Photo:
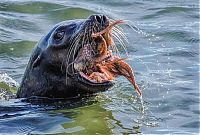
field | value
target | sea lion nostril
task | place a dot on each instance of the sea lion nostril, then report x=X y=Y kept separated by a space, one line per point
x=98 y=19
x=104 y=19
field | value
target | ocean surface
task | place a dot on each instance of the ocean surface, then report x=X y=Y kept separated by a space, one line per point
x=163 y=50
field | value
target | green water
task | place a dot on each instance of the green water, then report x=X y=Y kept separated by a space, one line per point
x=163 y=51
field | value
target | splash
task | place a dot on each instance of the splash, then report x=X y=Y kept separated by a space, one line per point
x=5 y=78
x=8 y=87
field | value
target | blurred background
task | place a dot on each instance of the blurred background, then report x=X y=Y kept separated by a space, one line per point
x=163 y=51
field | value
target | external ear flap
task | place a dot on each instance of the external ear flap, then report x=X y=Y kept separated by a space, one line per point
x=37 y=61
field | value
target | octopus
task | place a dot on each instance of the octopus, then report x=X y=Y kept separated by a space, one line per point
x=105 y=66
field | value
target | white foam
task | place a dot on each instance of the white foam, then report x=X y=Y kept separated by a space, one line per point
x=5 y=78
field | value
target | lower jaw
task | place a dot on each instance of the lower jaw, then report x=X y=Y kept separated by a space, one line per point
x=93 y=73
x=92 y=87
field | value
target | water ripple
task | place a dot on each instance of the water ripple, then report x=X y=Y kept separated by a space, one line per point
x=163 y=53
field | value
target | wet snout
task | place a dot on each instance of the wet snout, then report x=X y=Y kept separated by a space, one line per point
x=102 y=20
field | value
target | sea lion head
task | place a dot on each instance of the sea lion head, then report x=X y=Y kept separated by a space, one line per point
x=64 y=44
x=51 y=70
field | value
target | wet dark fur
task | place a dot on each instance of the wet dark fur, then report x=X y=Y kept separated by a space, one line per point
x=50 y=72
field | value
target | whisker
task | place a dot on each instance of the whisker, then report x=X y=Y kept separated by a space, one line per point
x=119 y=27
x=115 y=49
x=74 y=50
x=132 y=25
x=121 y=42
x=72 y=47
x=121 y=33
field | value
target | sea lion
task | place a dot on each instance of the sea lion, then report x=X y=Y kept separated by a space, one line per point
x=68 y=61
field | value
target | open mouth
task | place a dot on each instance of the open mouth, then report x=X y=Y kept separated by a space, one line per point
x=97 y=66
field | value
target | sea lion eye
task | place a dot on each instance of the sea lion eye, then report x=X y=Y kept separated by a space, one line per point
x=59 y=35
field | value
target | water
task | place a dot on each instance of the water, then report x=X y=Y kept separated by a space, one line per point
x=163 y=50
